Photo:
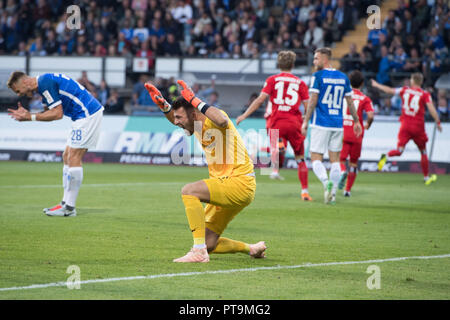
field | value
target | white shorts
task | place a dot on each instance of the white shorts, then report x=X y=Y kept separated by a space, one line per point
x=326 y=139
x=85 y=132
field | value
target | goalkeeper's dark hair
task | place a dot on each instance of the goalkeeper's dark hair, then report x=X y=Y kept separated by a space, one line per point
x=180 y=102
x=356 y=78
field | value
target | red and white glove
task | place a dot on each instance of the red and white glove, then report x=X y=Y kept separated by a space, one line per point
x=157 y=98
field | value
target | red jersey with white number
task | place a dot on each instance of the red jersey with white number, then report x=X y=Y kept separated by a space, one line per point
x=286 y=92
x=414 y=101
x=361 y=103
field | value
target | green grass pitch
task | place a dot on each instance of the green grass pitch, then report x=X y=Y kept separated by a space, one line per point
x=131 y=223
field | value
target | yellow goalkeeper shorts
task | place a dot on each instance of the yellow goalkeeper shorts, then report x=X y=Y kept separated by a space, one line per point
x=228 y=196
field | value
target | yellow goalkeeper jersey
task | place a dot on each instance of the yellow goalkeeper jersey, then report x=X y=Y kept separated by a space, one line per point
x=224 y=149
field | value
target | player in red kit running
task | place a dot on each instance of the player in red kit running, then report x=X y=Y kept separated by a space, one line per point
x=286 y=92
x=412 y=120
x=352 y=145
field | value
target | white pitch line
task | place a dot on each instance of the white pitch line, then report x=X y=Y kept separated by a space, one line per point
x=184 y=274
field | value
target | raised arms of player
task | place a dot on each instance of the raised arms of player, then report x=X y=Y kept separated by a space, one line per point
x=22 y=114
x=157 y=98
x=252 y=107
x=382 y=87
x=214 y=114
x=434 y=114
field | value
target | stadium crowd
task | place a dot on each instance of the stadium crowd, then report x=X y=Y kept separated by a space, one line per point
x=145 y=28
x=414 y=37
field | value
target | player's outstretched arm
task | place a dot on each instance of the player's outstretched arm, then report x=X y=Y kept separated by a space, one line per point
x=312 y=103
x=162 y=103
x=370 y=117
x=22 y=114
x=434 y=114
x=351 y=107
x=214 y=114
x=382 y=87
x=252 y=107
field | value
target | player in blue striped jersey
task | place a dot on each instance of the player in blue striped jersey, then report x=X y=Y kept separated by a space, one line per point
x=62 y=96
x=328 y=89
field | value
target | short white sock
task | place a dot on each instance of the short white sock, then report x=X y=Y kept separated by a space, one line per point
x=65 y=181
x=320 y=171
x=305 y=191
x=75 y=177
x=200 y=246
x=335 y=175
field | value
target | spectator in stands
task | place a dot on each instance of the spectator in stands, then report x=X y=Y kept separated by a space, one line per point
x=114 y=104
x=22 y=51
x=323 y=8
x=389 y=22
x=411 y=27
x=384 y=67
x=343 y=16
x=103 y=92
x=314 y=36
x=269 y=52
x=84 y=81
x=351 y=60
x=443 y=105
x=422 y=13
x=262 y=12
x=182 y=12
x=51 y=44
x=303 y=14
x=141 y=31
x=140 y=94
x=411 y=44
x=171 y=47
x=435 y=39
x=146 y=52
x=80 y=51
x=374 y=35
x=331 y=29
x=157 y=29
x=413 y=63
x=399 y=60
x=259 y=113
x=36 y=48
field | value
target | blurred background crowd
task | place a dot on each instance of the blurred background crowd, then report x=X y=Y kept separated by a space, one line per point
x=414 y=37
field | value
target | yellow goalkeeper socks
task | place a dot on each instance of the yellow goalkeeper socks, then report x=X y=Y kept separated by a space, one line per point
x=196 y=218
x=225 y=245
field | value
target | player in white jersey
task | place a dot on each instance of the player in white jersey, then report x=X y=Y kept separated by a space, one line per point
x=328 y=89
x=62 y=96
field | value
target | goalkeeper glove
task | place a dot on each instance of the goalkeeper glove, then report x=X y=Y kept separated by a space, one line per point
x=190 y=97
x=158 y=98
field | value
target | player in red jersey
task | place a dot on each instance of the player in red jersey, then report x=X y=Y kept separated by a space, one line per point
x=352 y=145
x=285 y=92
x=412 y=121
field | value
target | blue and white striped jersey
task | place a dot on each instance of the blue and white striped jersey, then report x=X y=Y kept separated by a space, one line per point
x=331 y=85
x=76 y=101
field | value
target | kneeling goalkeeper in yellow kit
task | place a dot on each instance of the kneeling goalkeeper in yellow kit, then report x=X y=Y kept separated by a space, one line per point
x=231 y=185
